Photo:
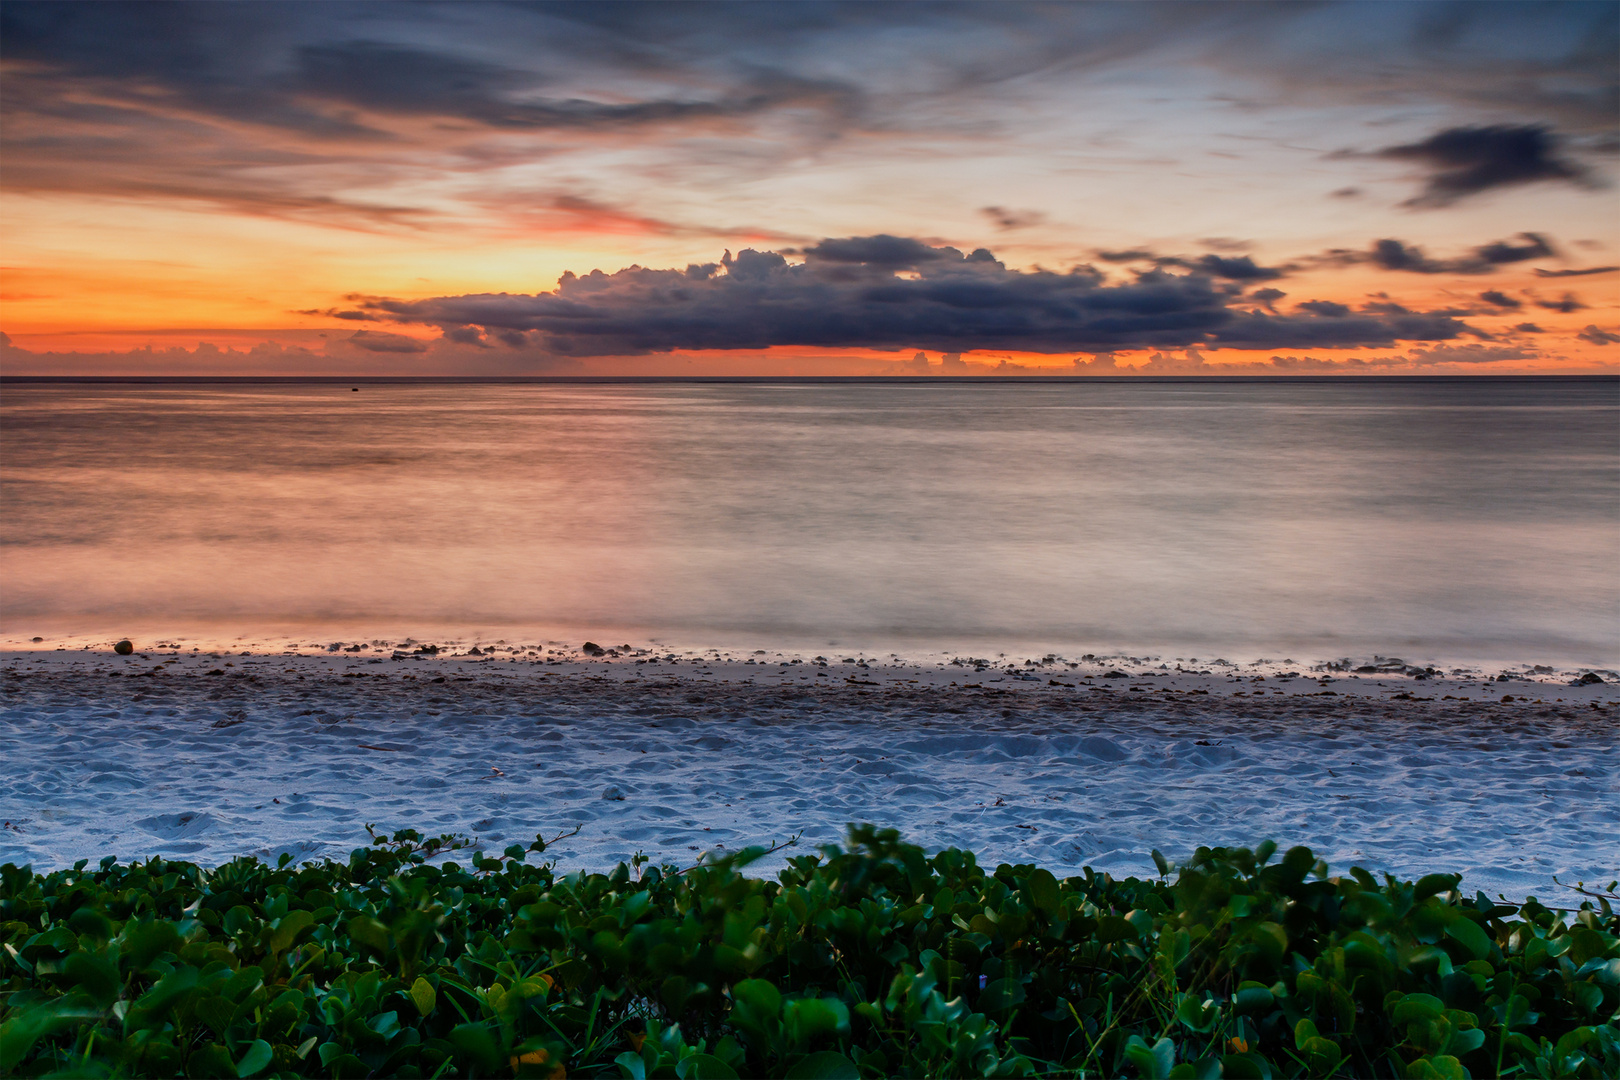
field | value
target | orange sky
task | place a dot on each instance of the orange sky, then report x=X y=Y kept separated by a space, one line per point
x=243 y=175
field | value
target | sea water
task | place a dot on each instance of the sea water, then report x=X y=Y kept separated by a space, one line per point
x=1462 y=519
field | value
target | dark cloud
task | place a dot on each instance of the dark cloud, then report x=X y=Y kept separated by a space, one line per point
x=1500 y=299
x=1567 y=303
x=1470 y=354
x=1391 y=254
x=892 y=292
x=1532 y=246
x=1004 y=218
x=1267 y=298
x=1241 y=268
x=1529 y=328
x=1233 y=268
x=1465 y=161
x=335 y=313
x=194 y=53
x=1325 y=307
x=1598 y=337
x=881 y=252
x=1576 y=273
x=381 y=341
x=1132 y=255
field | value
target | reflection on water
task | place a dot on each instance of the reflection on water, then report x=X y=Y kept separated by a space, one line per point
x=1460 y=517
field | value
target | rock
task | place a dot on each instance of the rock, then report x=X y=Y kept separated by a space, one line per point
x=124 y=648
x=1589 y=679
x=591 y=648
x=613 y=794
x=475 y=651
x=1115 y=675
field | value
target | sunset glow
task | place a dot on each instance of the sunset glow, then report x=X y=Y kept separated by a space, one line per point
x=265 y=181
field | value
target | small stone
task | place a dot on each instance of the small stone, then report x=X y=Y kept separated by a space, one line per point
x=124 y=648
x=1115 y=675
x=1589 y=679
x=613 y=794
x=591 y=648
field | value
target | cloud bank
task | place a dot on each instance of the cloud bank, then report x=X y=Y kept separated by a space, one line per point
x=891 y=292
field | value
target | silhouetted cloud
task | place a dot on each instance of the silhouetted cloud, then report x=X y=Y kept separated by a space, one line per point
x=1325 y=307
x=1598 y=337
x=1267 y=298
x=1233 y=268
x=1500 y=299
x=380 y=341
x=1569 y=302
x=1005 y=218
x=1470 y=354
x=897 y=292
x=1465 y=161
x=1392 y=254
x=1130 y=255
x=1575 y=273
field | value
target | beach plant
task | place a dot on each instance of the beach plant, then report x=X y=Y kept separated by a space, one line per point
x=866 y=959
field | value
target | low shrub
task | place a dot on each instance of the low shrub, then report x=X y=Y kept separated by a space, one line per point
x=869 y=960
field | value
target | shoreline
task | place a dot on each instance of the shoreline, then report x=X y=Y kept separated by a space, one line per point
x=206 y=757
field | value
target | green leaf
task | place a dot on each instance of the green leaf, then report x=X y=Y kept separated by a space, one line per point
x=95 y=975
x=212 y=1060
x=1198 y=1015
x=826 y=1065
x=476 y=1043
x=1000 y=995
x=808 y=1017
x=1154 y=1062
x=163 y=996
x=286 y=932
x=1252 y=997
x=145 y=942
x=1160 y=862
x=257 y=1057
x=1467 y=933
x=1042 y=889
x=369 y=932
x=759 y=995
x=1111 y=928
x=217 y=1012
x=631 y=1067
x=1418 y=1007
x=18 y=1035
x=704 y=1067
x=423 y=996
x=1431 y=884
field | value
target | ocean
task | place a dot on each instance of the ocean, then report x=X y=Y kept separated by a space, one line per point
x=1461 y=520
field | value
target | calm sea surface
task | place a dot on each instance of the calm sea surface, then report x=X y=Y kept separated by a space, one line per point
x=1458 y=519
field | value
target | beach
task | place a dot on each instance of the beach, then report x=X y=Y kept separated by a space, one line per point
x=1510 y=777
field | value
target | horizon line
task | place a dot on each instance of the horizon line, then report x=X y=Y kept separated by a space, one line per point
x=812 y=379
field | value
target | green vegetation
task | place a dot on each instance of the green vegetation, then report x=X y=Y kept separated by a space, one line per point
x=871 y=960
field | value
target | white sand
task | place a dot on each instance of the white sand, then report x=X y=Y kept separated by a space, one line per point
x=184 y=756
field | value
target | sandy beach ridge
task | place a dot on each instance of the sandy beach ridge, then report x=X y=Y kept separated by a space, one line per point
x=1509 y=776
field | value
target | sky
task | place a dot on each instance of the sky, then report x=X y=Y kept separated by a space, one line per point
x=809 y=189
